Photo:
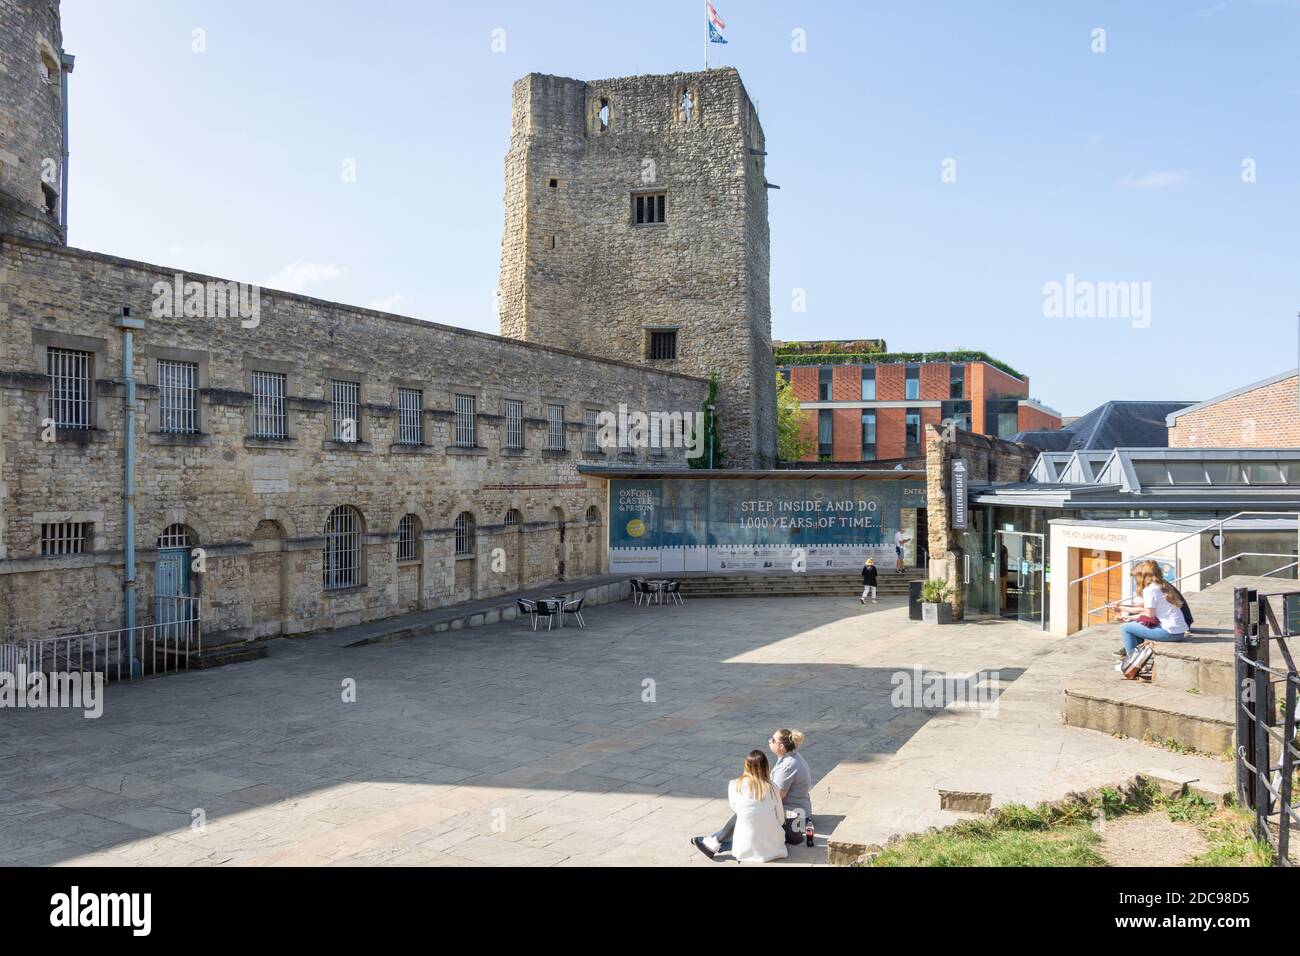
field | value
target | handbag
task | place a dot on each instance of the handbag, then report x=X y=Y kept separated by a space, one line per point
x=793 y=827
x=1147 y=621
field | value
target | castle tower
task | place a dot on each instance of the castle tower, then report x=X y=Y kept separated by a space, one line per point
x=33 y=93
x=636 y=229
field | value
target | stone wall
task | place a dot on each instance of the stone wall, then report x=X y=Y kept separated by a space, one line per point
x=259 y=506
x=577 y=270
x=988 y=460
x=31 y=116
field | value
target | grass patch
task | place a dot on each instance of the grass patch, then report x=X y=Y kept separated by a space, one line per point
x=1064 y=834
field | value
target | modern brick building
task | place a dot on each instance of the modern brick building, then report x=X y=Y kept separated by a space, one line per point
x=868 y=404
x=1265 y=414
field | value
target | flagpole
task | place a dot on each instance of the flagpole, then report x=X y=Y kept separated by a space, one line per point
x=706 y=35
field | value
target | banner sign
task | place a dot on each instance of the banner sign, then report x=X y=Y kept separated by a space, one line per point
x=957 y=502
x=744 y=525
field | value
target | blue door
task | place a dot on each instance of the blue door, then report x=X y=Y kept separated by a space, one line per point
x=172 y=581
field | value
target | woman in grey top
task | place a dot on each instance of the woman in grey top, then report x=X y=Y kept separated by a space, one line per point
x=791 y=774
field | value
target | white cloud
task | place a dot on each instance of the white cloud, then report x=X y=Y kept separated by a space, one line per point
x=390 y=303
x=1156 y=180
x=300 y=276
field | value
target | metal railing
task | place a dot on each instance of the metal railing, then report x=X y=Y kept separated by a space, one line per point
x=161 y=647
x=1109 y=605
x=1265 y=754
x=1218 y=523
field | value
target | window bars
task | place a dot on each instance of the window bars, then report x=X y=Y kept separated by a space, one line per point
x=466 y=424
x=590 y=429
x=514 y=410
x=464 y=534
x=65 y=537
x=178 y=403
x=345 y=399
x=410 y=407
x=174 y=536
x=513 y=519
x=555 y=427
x=648 y=209
x=269 y=420
x=70 y=387
x=342 y=566
x=408 y=531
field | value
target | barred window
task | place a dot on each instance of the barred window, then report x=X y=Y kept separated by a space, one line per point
x=663 y=344
x=268 y=405
x=590 y=429
x=345 y=398
x=342 y=548
x=174 y=536
x=466 y=423
x=408 y=538
x=555 y=427
x=65 y=537
x=514 y=410
x=513 y=518
x=410 y=406
x=464 y=534
x=178 y=403
x=70 y=373
x=648 y=208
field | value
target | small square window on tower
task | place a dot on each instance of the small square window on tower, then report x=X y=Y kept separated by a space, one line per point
x=553 y=183
x=550 y=242
x=663 y=344
x=649 y=209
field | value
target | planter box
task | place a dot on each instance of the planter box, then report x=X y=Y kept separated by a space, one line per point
x=936 y=613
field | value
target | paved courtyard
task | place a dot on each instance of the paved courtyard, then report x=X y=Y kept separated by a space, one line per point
x=496 y=745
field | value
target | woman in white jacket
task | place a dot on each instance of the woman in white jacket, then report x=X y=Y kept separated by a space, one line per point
x=759 y=836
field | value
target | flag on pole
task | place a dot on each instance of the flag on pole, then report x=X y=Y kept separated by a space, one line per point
x=716 y=26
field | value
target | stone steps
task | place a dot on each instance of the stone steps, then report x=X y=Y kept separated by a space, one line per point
x=820 y=584
x=227 y=654
x=1113 y=705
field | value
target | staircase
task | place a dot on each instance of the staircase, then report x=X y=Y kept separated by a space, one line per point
x=812 y=584
x=1190 y=699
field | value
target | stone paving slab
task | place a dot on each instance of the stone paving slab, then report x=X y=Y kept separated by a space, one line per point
x=497 y=745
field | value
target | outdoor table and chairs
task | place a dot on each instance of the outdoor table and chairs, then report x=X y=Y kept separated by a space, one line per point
x=655 y=589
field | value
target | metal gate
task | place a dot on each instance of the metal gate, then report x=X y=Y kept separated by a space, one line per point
x=1266 y=726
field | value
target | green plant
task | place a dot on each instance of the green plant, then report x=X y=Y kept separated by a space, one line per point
x=791 y=443
x=935 y=591
x=885 y=358
x=711 y=443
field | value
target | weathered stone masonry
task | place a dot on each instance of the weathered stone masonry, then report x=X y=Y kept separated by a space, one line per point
x=258 y=507
x=578 y=270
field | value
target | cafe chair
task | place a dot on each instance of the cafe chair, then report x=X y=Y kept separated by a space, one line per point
x=574 y=607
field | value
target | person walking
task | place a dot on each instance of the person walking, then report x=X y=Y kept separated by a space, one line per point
x=869 y=576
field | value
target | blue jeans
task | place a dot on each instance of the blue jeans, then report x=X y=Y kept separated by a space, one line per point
x=1135 y=633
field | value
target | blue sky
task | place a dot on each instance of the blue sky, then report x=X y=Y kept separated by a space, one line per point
x=1115 y=166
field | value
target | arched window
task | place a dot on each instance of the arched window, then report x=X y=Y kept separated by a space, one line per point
x=513 y=518
x=464 y=534
x=593 y=515
x=408 y=538
x=343 y=548
x=175 y=536
x=557 y=515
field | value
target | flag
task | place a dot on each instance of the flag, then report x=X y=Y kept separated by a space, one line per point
x=716 y=26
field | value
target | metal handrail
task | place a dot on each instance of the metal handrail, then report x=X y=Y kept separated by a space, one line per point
x=1199 y=531
x=1180 y=578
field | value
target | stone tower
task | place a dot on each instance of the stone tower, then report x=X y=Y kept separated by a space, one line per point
x=33 y=89
x=636 y=229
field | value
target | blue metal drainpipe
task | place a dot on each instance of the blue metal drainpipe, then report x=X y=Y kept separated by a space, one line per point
x=127 y=324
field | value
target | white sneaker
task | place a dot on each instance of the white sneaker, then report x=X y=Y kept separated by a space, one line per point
x=713 y=844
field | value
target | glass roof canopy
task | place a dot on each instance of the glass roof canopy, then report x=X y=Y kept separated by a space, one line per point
x=1139 y=470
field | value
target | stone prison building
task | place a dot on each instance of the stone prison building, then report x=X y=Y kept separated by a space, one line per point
x=335 y=464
